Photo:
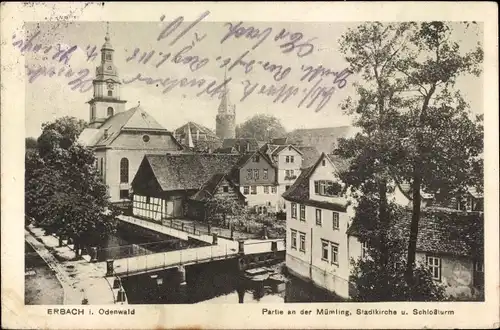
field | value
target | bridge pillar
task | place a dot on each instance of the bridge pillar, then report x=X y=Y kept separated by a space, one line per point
x=214 y=239
x=181 y=272
x=109 y=267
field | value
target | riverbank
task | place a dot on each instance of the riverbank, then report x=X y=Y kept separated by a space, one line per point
x=80 y=279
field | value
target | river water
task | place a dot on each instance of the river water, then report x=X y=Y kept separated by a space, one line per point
x=217 y=282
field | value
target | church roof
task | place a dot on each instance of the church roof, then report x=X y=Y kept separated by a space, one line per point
x=135 y=119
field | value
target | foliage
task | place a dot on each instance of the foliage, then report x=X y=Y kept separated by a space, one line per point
x=218 y=207
x=63 y=192
x=377 y=279
x=31 y=143
x=61 y=133
x=415 y=127
x=261 y=127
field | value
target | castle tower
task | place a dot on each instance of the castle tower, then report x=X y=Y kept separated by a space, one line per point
x=106 y=100
x=225 y=121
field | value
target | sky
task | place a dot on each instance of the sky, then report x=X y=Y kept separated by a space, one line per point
x=48 y=98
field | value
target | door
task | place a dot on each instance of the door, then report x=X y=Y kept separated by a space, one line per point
x=177 y=211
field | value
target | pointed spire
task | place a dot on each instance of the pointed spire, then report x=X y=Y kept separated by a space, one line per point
x=225 y=106
x=107 y=38
x=190 y=138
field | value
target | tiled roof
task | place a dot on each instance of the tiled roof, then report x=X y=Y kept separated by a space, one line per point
x=324 y=139
x=208 y=190
x=132 y=119
x=242 y=143
x=280 y=141
x=189 y=171
x=299 y=191
x=441 y=231
x=229 y=150
x=309 y=155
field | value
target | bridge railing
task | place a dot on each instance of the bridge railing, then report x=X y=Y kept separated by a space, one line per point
x=157 y=261
x=131 y=250
x=264 y=246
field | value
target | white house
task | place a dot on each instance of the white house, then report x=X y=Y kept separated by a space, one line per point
x=317 y=216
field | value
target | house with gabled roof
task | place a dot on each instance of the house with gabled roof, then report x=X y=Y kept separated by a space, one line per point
x=318 y=213
x=218 y=186
x=450 y=243
x=164 y=183
x=197 y=137
x=256 y=176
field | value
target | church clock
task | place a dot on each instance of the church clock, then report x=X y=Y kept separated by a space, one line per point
x=110 y=86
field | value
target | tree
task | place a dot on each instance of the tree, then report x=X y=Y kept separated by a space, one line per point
x=62 y=132
x=31 y=143
x=415 y=129
x=381 y=278
x=261 y=127
x=64 y=194
x=223 y=207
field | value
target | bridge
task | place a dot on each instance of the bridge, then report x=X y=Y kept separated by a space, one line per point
x=249 y=251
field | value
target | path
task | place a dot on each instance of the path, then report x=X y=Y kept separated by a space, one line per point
x=79 y=278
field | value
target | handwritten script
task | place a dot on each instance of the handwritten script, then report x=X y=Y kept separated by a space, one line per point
x=182 y=43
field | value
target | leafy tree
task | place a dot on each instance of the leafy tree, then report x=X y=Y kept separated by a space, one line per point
x=415 y=128
x=218 y=207
x=31 y=143
x=64 y=194
x=62 y=132
x=261 y=127
x=381 y=278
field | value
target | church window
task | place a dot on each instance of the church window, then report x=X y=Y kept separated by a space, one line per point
x=145 y=138
x=124 y=170
x=110 y=111
x=110 y=93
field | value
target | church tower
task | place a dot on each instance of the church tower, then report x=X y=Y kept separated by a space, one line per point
x=106 y=100
x=225 y=121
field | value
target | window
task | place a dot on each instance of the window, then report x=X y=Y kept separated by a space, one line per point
x=287 y=159
x=302 y=246
x=254 y=190
x=124 y=170
x=293 y=243
x=256 y=174
x=273 y=190
x=145 y=138
x=246 y=190
x=148 y=199
x=327 y=188
x=102 y=168
x=92 y=114
x=110 y=112
x=266 y=189
x=225 y=189
x=434 y=265
x=110 y=93
x=302 y=212
x=318 y=217
x=364 y=249
x=124 y=194
x=335 y=220
x=287 y=187
x=323 y=162
x=294 y=211
x=108 y=57
x=256 y=158
x=335 y=253
x=324 y=250
x=249 y=174
x=479 y=267
x=291 y=159
x=264 y=174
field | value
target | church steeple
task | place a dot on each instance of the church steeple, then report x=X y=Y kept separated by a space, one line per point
x=106 y=100
x=225 y=121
